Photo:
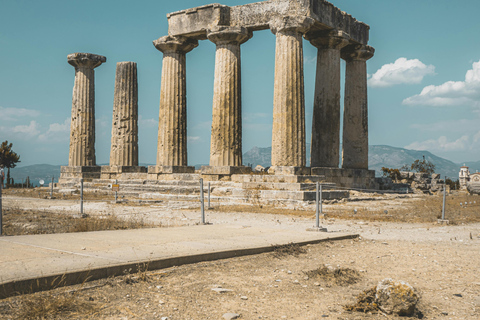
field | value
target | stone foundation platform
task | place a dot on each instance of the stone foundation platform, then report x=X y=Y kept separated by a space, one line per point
x=292 y=189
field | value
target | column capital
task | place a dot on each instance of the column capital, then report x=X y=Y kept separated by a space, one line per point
x=331 y=39
x=229 y=35
x=86 y=60
x=357 y=52
x=300 y=24
x=169 y=44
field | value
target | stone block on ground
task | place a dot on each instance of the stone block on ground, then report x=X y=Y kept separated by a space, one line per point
x=396 y=297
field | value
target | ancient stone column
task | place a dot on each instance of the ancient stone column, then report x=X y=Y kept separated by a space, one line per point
x=124 y=150
x=325 y=146
x=355 y=116
x=288 y=133
x=226 y=135
x=82 y=128
x=172 y=126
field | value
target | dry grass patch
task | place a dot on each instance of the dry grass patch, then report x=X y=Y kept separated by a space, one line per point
x=23 y=222
x=335 y=276
x=291 y=249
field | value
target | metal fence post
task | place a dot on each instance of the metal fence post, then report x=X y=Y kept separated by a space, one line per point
x=116 y=193
x=317 y=209
x=208 y=195
x=444 y=197
x=202 y=202
x=81 y=197
x=1 y=215
x=321 y=200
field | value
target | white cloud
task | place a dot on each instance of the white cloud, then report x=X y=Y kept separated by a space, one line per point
x=14 y=114
x=451 y=93
x=443 y=144
x=402 y=71
x=150 y=123
x=56 y=132
x=23 y=132
x=193 y=139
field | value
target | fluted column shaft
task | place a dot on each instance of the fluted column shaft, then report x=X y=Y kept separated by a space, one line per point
x=355 y=116
x=82 y=127
x=124 y=149
x=288 y=132
x=325 y=146
x=172 y=126
x=226 y=135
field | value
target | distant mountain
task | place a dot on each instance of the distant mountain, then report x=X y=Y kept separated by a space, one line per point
x=378 y=157
x=392 y=157
x=35 y=173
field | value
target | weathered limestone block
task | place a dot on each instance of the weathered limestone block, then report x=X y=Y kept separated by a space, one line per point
x=355 y=116
x=172 y=126
x=124 y=149
x=82 y=128
x=396 y=297
x=257 y=16
x=325 y=146
x=226 y=135
x=288 y=133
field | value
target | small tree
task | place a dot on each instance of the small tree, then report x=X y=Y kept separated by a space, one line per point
x=424 y=166
x=8 y=158
x=393 y=174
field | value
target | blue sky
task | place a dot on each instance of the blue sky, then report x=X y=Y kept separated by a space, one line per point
x=424 y=86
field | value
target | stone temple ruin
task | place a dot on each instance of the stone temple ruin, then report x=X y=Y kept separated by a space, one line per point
x=335 y=34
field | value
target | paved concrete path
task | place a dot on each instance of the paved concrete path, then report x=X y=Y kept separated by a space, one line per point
x=38 y=262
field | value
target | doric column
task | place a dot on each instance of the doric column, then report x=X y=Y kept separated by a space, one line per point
x=355 y=116
x=172 y=126
x=325 y=146
x=82 y=128
x=124 y=150
x=226 y=138
x=288 y=133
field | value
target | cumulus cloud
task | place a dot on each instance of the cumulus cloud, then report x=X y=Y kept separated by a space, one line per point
x=402 y=71
x=451 y=93
x=443 y=144
x=23 y=132
x=56 y=132
x=15 y=114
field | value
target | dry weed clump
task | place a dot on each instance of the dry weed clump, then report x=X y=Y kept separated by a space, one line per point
x=291 y=249
x=366 y=302
x=25 y=222
x=50 y=306
x=335 y=276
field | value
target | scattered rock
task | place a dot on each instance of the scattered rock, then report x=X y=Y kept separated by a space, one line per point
x=221 y=290
x=396 y=297
x=231 y=316
x=244 y=297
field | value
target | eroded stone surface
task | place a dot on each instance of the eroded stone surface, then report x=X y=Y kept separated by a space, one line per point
x=82 y=127
x=396 y=297
x=226 y=135
x=124 y=149
x=172 y=125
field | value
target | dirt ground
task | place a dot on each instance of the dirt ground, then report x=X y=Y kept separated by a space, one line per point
x=440 y=261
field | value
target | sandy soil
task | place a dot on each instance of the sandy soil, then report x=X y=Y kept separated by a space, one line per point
x=441 y=262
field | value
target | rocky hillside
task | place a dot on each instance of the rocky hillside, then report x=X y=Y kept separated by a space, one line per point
x=379 y=156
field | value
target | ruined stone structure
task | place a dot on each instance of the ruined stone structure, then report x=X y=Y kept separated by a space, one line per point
x=124 y=147
x=81 y=158
x=335 y=34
